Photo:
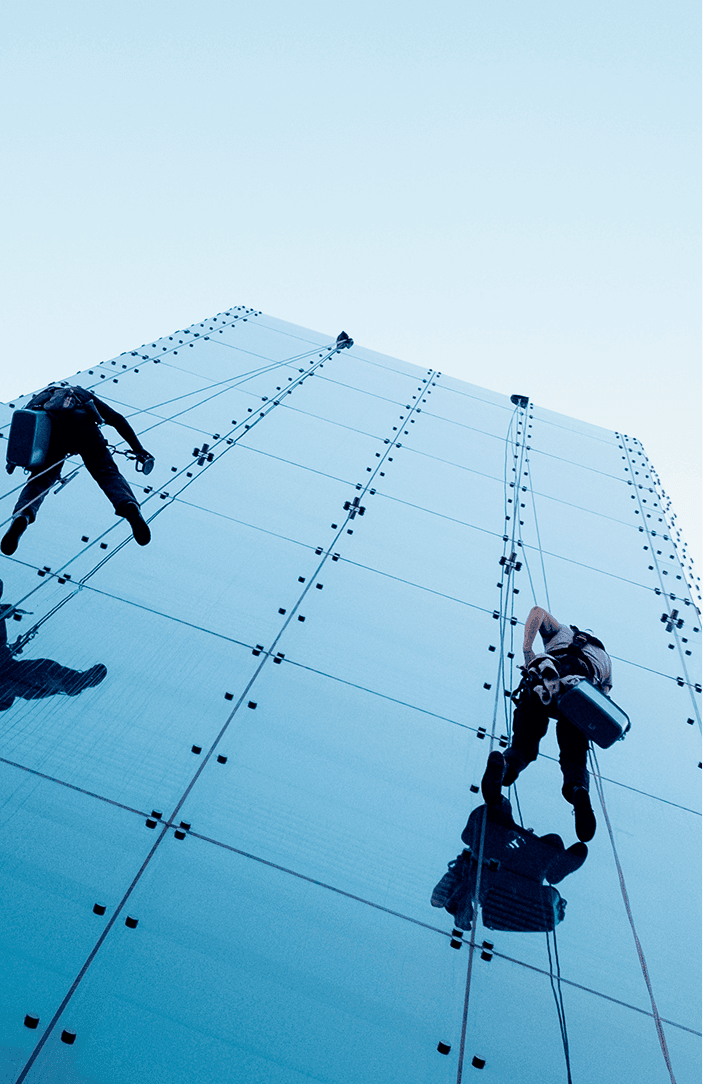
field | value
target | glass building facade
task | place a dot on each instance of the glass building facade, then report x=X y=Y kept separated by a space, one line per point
x=217 y=861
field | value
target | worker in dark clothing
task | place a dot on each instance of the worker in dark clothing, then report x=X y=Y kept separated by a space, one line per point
x=514 y=865
x=568 y=652
x=33 y=679
x=75 y=416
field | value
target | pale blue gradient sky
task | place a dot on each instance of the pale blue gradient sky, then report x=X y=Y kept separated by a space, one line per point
x=506 y=191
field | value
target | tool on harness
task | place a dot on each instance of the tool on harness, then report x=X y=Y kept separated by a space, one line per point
x=144 y=461
x=575 y=696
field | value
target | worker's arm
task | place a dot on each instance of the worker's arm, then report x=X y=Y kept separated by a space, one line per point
x=118 y=422
x=538 y=620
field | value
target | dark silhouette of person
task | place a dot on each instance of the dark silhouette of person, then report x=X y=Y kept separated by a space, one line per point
x=515 y=863
x=76 y=415
x=33 y=679
x=572 y=653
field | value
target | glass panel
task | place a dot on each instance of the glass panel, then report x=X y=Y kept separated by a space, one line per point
x=575 y=442
x=395 y=654
x=602 y=603
x=128 y=734
x=639 y=820
x=458 y=407
x=317 y=444
x=319 y=776
x=465 y=445
x=326 y=396
x=303 y=971
x=361 y=373
x=659 y=711
x=455 y=559
x=472 y=496
x=61 y=853
x=604 y=1037
x=331 y=788
x=586 y=487
x=685 y=1052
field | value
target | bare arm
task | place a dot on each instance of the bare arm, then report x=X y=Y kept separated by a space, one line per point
x=538 y=620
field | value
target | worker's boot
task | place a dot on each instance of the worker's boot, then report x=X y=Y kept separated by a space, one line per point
x=493 y=778
x=140 y=528
x=12 y=535
x=583 y=812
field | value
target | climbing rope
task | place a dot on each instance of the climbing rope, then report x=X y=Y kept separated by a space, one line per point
x=555 y=981
x=599 y=788
x=522 y=469
x=597 y=778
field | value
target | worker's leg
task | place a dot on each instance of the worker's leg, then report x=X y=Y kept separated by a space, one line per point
x=92 y=446
x=36 y=489
x=96 y=456
x=530 y=723
x=573 y=750
x=30 y=499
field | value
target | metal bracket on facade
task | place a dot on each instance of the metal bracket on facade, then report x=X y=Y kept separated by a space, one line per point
x=203 y=455
x=353 y=507
x=672 y=620
x=511 y=563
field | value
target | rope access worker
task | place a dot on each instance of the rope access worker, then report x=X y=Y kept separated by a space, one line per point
x=568 y=652
x=75 y=416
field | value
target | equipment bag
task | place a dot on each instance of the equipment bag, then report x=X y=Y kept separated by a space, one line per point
x=594 y=713
x=28 y=443
x=515 y=903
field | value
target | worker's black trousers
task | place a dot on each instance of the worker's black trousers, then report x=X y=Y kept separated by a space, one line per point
x=530 y=723
x=81 y=436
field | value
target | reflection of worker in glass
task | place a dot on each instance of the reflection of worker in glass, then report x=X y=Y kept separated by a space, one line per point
x=514 y=865
x=33 y=679
x=75 y=416
x=572 y=653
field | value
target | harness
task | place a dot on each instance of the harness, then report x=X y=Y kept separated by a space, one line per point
x=572 y=659
x=59 y=401
x=568 y=661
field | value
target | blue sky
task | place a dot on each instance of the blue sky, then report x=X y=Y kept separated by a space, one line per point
x=507 y=192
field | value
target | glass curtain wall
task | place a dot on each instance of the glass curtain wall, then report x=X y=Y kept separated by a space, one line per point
x=245 y=753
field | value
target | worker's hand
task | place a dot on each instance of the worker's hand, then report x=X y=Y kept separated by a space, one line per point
x=145 y=461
